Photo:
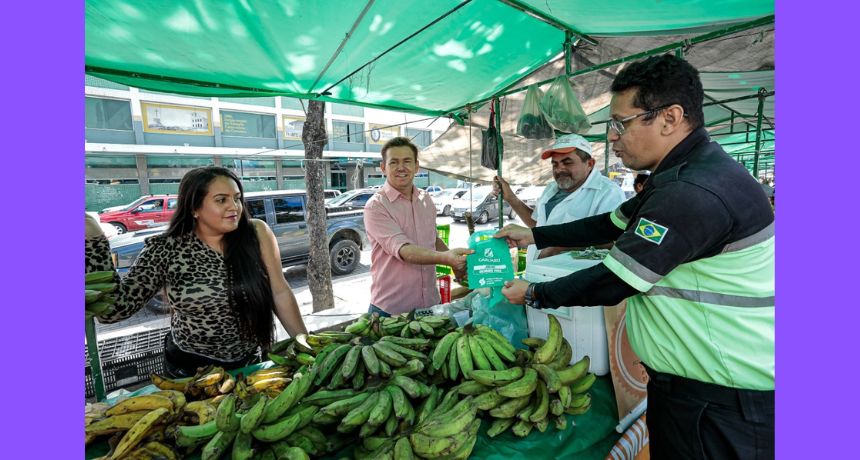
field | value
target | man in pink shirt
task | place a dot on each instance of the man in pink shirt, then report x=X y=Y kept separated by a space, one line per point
x=401 y=226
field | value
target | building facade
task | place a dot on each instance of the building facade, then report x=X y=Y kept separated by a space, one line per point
x=142 y=142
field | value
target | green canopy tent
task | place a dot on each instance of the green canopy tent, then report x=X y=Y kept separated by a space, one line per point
x=440 y=58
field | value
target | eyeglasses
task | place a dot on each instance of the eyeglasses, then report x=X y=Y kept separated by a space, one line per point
x=619 y=125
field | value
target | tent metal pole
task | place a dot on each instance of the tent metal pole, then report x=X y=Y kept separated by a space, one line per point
x=606 y=152
x=325 y=92
x=499 y=156
x=95 y=359
x=567 y=53
x=732 y=127
x=762 y=95
x=633 y=57
x=547 y=19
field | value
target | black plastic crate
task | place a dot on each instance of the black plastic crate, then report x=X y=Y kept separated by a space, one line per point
x=128 y=360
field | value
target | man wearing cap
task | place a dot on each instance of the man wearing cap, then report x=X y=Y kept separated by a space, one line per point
x=578 y=191
x=694 y=256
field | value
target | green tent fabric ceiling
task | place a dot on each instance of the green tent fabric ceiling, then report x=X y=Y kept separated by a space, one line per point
x=442 y=54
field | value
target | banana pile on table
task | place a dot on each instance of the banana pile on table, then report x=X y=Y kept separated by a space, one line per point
x=531 y=395
x=385 y=395
x=403 y=325
x=99 y=288
x=139 y=424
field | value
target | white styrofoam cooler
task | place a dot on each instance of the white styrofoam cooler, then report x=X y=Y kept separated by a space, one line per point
x=584 y=327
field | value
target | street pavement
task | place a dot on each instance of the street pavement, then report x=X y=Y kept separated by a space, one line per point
x=351 y=293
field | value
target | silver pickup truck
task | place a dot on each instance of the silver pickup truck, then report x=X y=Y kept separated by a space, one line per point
x=284 y=211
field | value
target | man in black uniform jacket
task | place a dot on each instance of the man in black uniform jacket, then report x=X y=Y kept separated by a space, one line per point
x=693 y=254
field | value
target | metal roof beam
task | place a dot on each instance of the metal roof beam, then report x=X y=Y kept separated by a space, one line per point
x=547 y=19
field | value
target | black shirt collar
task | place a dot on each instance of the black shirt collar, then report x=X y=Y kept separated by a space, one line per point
x=681 y=152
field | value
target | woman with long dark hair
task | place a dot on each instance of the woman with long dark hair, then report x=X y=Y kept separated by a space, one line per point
x=221 y=271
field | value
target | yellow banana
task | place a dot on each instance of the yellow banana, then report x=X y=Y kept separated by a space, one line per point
x=139 y=403
x=164 y=383
x=177 y=397
x=138 y=431
x=547 y=352
x=203 y=410
x=160 y=450
x=214 y=377
x=114 y=424
x=273 y=382
x=228 y=384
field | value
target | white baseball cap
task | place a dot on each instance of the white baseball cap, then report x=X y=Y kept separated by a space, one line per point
x=566 y=144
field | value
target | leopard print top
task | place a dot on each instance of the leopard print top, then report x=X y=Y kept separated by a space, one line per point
x=195 y=277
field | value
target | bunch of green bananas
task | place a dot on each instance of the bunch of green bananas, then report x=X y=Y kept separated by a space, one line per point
x=540 y=390
x=99 y=288
x=470 y=348
x=445 y=427
x=304 y=349
x=250 y=426
x=354 y=364
x=138 y=425
x=404 y=325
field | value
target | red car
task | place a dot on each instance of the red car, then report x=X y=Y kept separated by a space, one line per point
x=144 y=212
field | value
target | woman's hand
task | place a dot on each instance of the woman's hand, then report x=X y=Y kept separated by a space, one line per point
x=92 y=228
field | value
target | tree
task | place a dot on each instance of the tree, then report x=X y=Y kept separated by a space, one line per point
x=319 y=266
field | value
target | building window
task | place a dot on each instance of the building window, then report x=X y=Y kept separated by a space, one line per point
x=343 y=131
x=420 y=137
x=242 y=124
x=119 y=161
x=344 y=109
x=108 y=114
x=177 y=161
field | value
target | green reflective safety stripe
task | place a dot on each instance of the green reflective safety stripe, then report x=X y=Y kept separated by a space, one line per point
x=630 y=271
x=742 y=274
x=727 y=346
x=759 y=237
x=713 y=298
x=618 y=218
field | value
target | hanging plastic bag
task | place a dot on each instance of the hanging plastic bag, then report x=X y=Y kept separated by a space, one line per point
x=491 y=142
x=496 y=312
x=532 y=124
x=562 y=110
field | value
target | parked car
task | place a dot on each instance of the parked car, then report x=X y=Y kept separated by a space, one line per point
x=530 y=194
x=352 y=199
x=484 y=206
x=144 y=212
x=108 y=229
x=433 y=189
x=330 y=194
x=284 y=211
x=445 y=199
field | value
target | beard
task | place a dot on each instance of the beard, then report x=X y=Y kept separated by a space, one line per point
x=564 y=181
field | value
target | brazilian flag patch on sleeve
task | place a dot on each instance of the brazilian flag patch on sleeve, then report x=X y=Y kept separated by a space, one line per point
x=651 y=231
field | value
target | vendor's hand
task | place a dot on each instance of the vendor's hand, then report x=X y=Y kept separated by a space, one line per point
x=516 y=235
x=92 y=228
x=456 y=258
x=502 y=185
x=460 y=275
x=551 y=251
x=515 y=291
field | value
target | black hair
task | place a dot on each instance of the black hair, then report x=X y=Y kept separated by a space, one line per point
x=250 y=291
x=662 y=81
x=399 y=141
